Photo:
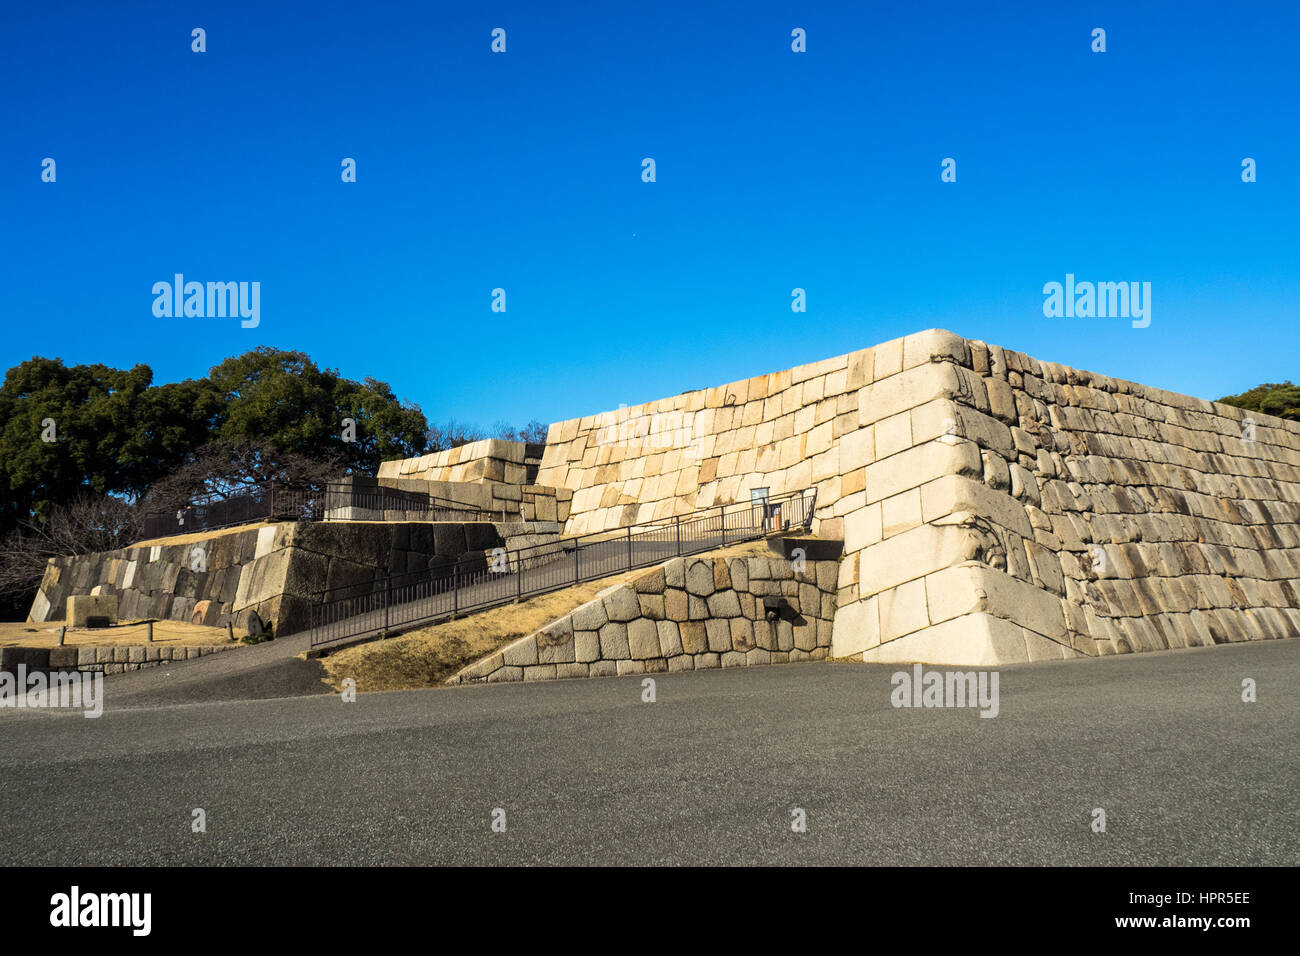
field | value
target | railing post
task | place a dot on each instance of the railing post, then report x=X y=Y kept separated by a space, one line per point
x=577 y=575
x=679 y=535
x=455 y=589
x=388 y=598
x=519 y=579
x=629 y=547
x=722 y=514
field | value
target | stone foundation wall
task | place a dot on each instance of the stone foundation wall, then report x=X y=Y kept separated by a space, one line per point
x=273 y=571
x=107 y=660
x=1022 y=510
x=206 y=579
x=995 y=508
x=687 y=614
x=511 y=502
x=781 y=431
x=492 y=459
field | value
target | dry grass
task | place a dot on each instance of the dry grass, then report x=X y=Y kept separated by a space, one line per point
x=427 y=657
x=46 y=634
x=203 y=535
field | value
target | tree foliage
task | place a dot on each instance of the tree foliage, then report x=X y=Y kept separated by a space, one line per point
x=68 y=431
x=87 y=524
x=1280 y=399
x=115 y=433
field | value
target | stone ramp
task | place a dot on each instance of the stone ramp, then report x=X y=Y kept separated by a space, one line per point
x=259 y=671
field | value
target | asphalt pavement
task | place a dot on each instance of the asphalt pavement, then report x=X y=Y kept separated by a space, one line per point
x=712 y=772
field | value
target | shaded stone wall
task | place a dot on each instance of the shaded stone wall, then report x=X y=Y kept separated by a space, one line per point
x=274 y=570
x=114 y=659
x=204 y=578
x=511 y=502
x=687 y=614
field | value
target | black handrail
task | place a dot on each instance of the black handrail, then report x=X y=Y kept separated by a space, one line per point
x=288 y=502
x=483 y=581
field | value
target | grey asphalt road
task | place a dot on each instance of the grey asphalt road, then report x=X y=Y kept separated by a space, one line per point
x=587 y=773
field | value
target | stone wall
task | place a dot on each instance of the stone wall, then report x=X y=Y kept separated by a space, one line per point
x=274 y=570
x=687 y=614
x=106 y=660
x=1022 y=510
x=994 y=508
x=492 y=459
x=512 y=502
x=781 y=431
x=207 y=578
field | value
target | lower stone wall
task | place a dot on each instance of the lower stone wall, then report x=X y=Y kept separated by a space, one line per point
x=687 y=614
x=202 y=578
x=106 y=660
x=226 y=577
x=512 y=502
x=492 y=459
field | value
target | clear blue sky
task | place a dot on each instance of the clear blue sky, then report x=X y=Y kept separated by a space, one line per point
x=775 y=170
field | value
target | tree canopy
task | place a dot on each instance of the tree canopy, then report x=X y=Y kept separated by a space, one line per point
x=1282 y=400
x=67 y=431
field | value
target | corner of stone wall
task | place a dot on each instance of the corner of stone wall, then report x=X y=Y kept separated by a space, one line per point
x=940 y=560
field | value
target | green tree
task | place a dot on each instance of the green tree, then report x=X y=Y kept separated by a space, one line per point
x=66 y=431
x=1282 y=400
x=281 y=399
x=115 y=433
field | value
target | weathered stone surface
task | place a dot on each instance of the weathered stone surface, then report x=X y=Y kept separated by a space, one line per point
x=675 y=606
x=719 y=634
x=621 y=605
x=699 y=578
x=82 y=608
x=521 y=653
x=670 y=642
x=586 y=645
x=651 y=583
x=591 y=616
x=724 y=604
x=694 y=637
x=643 y=638
x=614 y=641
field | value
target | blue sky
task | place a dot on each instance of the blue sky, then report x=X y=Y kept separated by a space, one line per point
x=775 y=170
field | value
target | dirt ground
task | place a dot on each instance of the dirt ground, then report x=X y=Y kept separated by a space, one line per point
x=22 y=634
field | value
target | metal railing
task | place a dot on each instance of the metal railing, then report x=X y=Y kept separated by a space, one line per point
x=260 y=503
x=501 y=577
x=342 y=500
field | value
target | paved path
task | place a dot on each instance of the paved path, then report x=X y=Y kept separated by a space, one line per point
x=1187 y=773
x=245 y=673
